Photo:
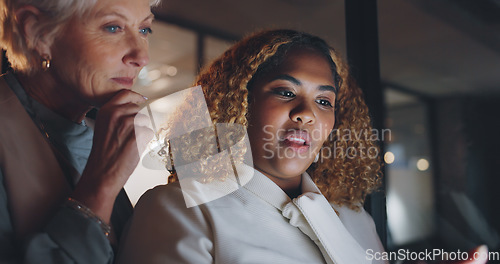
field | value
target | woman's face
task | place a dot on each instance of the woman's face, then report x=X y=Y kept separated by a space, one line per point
x=102 y=53
x=291 y=114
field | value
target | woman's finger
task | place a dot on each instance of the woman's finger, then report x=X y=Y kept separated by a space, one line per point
x=126 y=96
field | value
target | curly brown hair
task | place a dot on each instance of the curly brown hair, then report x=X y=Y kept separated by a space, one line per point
x=344 y=178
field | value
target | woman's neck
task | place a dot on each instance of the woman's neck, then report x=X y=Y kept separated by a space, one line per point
x=291 y=186
x=61 y=100
x=294 y=193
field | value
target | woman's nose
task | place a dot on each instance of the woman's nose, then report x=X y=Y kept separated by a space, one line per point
x=303 y=113
x=138 y=53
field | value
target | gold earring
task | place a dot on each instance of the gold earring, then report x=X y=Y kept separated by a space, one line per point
x=45 y=62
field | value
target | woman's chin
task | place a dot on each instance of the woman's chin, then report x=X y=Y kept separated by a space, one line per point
x=290 y=168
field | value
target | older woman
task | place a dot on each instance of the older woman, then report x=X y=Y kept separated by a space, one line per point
x=59 y=178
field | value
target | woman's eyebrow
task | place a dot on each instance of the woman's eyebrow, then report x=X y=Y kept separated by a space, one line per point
x=111 y=13
x=150 y=17
x=328 y=88
x=286 y=77
x=122 y=16
x=293 y=80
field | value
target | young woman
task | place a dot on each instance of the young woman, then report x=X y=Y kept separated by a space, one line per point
x=302 y=111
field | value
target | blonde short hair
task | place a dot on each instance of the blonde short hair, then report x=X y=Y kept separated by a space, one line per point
x=22 y=56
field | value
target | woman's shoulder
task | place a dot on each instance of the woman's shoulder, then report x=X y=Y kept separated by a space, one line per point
x=166 y=204
x=166 y=195
x=178 y=198
x=174 y=195
x=355 y=220
x=348 y=214
x=361 y=226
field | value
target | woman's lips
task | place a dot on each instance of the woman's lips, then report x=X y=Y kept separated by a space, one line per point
x=297 y=140
x=125 y=81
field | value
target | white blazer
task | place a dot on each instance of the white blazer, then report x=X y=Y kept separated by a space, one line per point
x=258 y=223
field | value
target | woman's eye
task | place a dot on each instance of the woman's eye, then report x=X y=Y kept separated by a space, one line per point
x=146 y=31
x=112 y=29
x=324 y=102
x=285 y=93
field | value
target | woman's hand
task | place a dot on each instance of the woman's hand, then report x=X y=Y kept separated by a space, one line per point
x=119 y=133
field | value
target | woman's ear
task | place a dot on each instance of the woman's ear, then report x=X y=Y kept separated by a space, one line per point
x=28 y=18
